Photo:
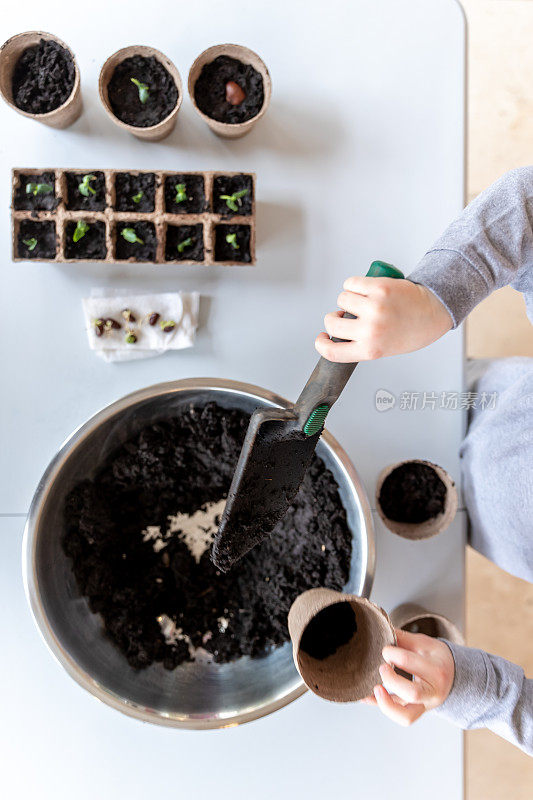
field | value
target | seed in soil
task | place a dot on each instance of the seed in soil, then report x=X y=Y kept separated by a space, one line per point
x=36 y=239
x=135 y=192
x=128 y=315
x=167 y=325
x=152 y=319
x=185 y=194
x=130 y=337
x=43 y=78
x=179 y=466
x=232 y=243
x=332 y=628
x=36 y=192
x=210 y=91
x=136 y=241
x=84 y=241
x=141 y=91
x=233 y=194
x=85 y=191
x=234 y=93
x=184 y=243
x=412 y=493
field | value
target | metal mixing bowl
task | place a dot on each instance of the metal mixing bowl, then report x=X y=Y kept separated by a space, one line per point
x=193 y=695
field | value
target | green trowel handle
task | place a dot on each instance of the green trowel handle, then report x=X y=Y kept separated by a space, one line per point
x=329 y=378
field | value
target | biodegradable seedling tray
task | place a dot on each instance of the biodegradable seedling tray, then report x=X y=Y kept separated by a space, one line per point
x=161 y=227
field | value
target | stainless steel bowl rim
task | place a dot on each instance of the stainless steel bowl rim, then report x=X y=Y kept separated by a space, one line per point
x=31 y=587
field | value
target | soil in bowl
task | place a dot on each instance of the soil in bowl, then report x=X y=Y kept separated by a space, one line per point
x=412 y=493
x=185 y=194
x=90 y=245
x=138 y=106
x=36 y=192
x=43 y=78
x=85 y=191
x=36 y=239
x=232 y=243
x=135 y=240
x=332 y=627
x=215 y=99
x=128 y=534
x=233 y=194
x=185 y=243
x=135 y=192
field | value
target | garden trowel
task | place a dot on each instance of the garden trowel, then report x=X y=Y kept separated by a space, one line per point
x=276 y=453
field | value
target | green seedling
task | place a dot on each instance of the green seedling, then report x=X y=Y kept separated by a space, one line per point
x=181 y=193
x=138 y=197
x=80 y=230
x=31 y=244
x=144 y=90
x=39 y=188
x=231 y=239
x=167 y=325
x=233 y=201
x=85 y=187
x=130 y=236
x=130 y=337
x=184 y=244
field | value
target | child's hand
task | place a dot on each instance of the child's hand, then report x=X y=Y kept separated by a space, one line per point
x=393 y=316
x=429 y=661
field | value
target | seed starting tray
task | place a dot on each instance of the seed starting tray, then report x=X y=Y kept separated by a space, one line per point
x=163 y=225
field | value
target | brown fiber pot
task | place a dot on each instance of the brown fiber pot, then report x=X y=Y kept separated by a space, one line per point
x=409 y=616
x=10 y=52
x=421 y=530
x=246 y=56
x=155 y=132
x=353 y=670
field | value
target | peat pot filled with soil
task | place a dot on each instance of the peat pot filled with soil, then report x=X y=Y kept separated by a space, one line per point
x=117 y=563
x=40 y=79
x=140 y=89
x=230 y=87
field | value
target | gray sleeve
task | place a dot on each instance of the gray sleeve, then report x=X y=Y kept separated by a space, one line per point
x=488 y=246
x=490 y=692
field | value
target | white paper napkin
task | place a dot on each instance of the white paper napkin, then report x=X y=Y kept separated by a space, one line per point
x=181 y=307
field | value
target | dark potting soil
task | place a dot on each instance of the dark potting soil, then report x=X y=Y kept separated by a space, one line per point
x=229 y=185
x=210 y=90
x=91 y=246
x=330 y=629
x=412 y=493
x=128 y=186
x=124 y=95
x=43 y=78
x=36 y=202
x=139 y=252
x=194 y=203
x=178 y=466
x=177 y=234
x=76 y=201
x=224 y=251
x=43 y=232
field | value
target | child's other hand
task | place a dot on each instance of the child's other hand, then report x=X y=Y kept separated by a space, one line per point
x=429 y=661
x=393 y=316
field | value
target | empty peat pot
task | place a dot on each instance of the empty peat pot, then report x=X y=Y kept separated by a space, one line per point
x=140 y=89
x=337 y=641
x=416 y=499
x=415 y=619
x=39 y=78
x=230 y=87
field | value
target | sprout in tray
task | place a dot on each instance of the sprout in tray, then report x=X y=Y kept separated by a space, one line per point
x=181 y=193
x=130 y=236
x=85 y=187
x=231 y=239
x=144 y=90
x=31 y=243
x=39 y=188
x=80 y=230
x=233 y=201
x=138 y=197
x=184 y=244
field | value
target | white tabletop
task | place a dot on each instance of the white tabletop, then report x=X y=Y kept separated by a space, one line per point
x=359 y=157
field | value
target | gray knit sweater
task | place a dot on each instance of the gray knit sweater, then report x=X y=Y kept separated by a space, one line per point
x=491 y=245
